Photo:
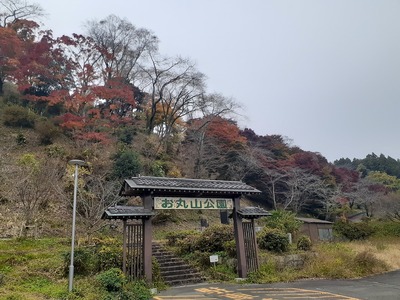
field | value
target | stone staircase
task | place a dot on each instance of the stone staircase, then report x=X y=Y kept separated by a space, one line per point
x=174 y=270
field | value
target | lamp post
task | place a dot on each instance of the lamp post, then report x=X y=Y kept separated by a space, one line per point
x=77 y=163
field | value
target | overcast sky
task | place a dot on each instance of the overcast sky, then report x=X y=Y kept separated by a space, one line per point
x=325 y=74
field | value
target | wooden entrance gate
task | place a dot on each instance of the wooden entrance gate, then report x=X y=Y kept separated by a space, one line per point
x=180 y=193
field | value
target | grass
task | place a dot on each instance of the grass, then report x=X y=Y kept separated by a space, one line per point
x=33 y=269
x=339 y=260
x=385 y=249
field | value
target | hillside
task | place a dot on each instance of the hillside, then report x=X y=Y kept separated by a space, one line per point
x=127 y=109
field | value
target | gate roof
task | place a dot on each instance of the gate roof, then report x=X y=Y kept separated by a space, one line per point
x=127 y=212
x=163 y=186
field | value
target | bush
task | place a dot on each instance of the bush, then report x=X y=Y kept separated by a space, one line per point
x=108 y=253
x=158 y=169
x=353 y=231
x=385 y=228
x=126 y=164
x=188 y=244
x=47 y=131
x=112 y=280
x=304 y=243
x=230 y=248
x=273 y=239
x=137 y=290
x=83 y=261
x=174 y=237
x=21 y=139
x=366 y=263
x=213 y=238
x=283 y=220
x=55 y=151
x=162 y=217
x=18 y=116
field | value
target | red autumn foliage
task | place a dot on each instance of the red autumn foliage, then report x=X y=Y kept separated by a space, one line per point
x=225 y=131
x=95 y=137
x=70 y=121
x=310 y=161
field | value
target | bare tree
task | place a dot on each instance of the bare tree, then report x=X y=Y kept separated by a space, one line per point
x=210 y=106
x=13 y=10
x=302 y=188
x=120 y=45
x=391 y=206
x=174 y=87
x=273 y=177
x=97 y=194
x=33 y=185
x=368 y=195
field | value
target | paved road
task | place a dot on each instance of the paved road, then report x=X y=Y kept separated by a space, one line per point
x=380 y=287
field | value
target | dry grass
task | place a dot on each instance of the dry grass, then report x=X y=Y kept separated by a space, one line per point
x=387 y=250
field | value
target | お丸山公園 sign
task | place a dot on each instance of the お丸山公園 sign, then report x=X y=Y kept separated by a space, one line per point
x=192 y=203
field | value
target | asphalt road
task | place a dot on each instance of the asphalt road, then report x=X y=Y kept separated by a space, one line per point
x=380 y=287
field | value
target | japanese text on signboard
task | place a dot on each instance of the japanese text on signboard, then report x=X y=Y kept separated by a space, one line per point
x=191 y=203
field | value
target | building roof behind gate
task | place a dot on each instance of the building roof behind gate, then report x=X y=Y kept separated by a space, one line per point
x=163 y=186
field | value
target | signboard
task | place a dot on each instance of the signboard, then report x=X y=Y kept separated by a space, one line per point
x=192 y=203
x=213 y=258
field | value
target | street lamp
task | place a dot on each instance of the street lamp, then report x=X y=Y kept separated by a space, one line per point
x=77 y=163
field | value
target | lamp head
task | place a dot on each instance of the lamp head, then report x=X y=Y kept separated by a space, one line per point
x=77 y=162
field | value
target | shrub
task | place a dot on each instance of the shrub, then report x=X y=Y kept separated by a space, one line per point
x=83 y=261
x=55 y=151
x=366 y=263
x=11 y=93
x=273 y=239
x=47 y=131
x=230 y=248
x=126 y=164
x=126 y=134
x=158 y=169
x=283 y=220
x=188 y=244
x=213 y=238
x=21 y=139
x=304 y=243
x=353 y=231
x=174 y=237
x=266 y=273
x=18 y=116
x=112 y=280
x=162 y=217
x=385 y=228
x=136 y=290
x=108 y=253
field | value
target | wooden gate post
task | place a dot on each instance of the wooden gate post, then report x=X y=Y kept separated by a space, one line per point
x=240 y=251
x=124 y=245
x=147 y=238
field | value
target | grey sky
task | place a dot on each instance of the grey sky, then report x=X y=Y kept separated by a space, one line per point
x=323 y=73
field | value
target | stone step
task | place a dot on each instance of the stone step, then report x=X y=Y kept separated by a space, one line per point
x=183 y=277
x=178 y=268
x=174 y=270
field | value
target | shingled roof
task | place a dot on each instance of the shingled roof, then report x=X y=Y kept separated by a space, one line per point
x=253 y=212
x=137 y=186
x=127 y=212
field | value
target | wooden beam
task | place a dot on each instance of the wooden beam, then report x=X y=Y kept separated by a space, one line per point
x=124 y=248
x=240 y=251
x=147 y=240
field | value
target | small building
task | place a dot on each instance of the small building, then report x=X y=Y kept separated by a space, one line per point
x=317 y=230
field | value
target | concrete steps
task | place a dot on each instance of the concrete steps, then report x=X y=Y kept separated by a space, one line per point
x=174 y=270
